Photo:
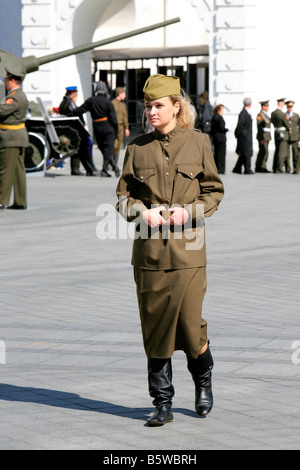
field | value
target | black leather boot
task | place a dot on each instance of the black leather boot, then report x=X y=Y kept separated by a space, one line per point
x=161 y=389
x=201 y=368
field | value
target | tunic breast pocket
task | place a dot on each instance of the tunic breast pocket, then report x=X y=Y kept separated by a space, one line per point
x=187 y=186
x=191 y=171
x=143 y=174
x=146 y=188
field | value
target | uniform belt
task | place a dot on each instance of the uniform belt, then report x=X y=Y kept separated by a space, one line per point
x=266 y=129
x=101 y=119
x=279 y=129
x=11 y=126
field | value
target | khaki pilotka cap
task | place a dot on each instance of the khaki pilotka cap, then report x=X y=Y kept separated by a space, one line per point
x=158 y=86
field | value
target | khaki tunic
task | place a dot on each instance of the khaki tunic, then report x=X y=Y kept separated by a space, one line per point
x=173 y=169
x=263 y=127
x=122 y=118
x=280 y=127
x=13 y=112
x=13 y=141
x=263 y=136
x=290 y=139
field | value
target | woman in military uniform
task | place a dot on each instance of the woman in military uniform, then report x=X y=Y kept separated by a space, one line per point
x=168 y=185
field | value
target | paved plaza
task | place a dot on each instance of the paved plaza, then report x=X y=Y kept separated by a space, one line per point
x=72 y=364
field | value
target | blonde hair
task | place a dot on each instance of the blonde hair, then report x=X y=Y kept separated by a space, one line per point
x=185 y=116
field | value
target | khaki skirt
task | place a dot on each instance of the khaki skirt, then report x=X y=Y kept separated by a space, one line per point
x=170 y=304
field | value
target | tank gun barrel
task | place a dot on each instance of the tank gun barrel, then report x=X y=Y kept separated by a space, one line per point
x=86 y=47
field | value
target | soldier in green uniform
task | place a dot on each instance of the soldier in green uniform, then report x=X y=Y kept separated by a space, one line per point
x=293 y=137
x=169 y=184
x=122 y=118
x=13 y=142
x=280 y=126
x=263 y=136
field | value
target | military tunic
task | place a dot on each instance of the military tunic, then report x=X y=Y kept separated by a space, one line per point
x=280 y=126
x=13 y=141
x=122 y=118
x=263 y=136
x=293 y=121
x=169 y=262
x=288 y=137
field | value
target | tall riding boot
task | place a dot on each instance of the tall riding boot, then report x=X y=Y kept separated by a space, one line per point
x=161 y=389
x=201 y=368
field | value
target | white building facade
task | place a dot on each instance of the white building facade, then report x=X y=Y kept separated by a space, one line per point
x=248 y=50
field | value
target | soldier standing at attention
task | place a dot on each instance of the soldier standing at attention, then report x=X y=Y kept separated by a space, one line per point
x=279 y=122
x=122 y=118
x=169 y=183
x=293 y=138
x=263 y=136
x=13 y=142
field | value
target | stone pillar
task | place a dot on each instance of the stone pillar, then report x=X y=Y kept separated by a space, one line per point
x=233 y=72
x=47 y=28
x=37 y=20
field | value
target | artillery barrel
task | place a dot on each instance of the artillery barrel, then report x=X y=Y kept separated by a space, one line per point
x=86 y=47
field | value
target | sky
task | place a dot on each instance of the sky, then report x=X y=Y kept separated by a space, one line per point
x=278 y=58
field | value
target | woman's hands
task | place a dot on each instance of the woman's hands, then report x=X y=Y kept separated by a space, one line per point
x=179 y=216
x=157 y=216
x=153 y=217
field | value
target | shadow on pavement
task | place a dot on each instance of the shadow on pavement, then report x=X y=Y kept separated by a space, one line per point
x=57 y=398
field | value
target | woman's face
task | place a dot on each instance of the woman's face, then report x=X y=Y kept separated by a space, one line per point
x=161 y=114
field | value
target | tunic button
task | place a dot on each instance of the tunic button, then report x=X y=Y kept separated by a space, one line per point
x=167 y=173
x=191 y=174
x=142 y=177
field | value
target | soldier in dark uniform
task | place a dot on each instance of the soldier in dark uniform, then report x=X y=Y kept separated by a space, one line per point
x=66 y=108
x=280 y=126
x=293 y=138
x=263 y=136
x=13 y=142
x=105 y=125
x=169 y=183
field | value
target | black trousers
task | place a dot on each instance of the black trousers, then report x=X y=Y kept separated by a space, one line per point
x=220 y=155
x=243 y=161
x=83 y=156
x=105 y=138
